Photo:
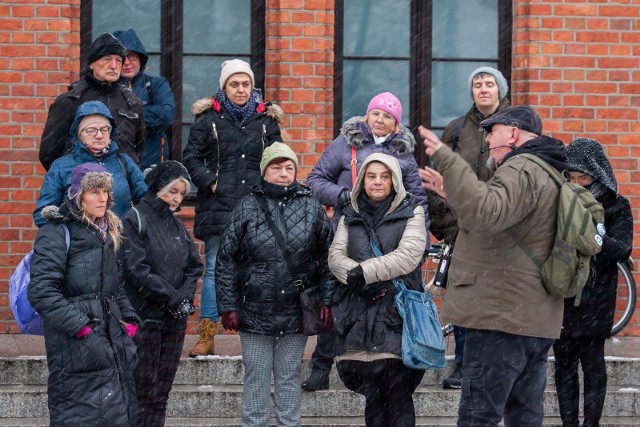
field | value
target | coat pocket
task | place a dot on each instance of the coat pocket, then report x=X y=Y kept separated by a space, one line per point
x=91 y=353
x=459 y=277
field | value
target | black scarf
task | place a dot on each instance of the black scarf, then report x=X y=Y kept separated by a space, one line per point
x=551 y=150
x=240 y=114
x=276 y=191
x=102 y=87
x=372 y=213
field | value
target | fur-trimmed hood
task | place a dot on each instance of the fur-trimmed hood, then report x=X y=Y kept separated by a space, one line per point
x=356 y=131
x=272 y=110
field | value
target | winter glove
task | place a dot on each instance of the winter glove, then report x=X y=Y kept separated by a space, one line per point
x=131 y=329
x=374 y=290
x=355 y=279
x=86 y=330
x=181 y=310
x=325 y=317
x=230 y=320
x=344 y=198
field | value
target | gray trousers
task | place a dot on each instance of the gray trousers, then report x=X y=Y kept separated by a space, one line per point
x=261 y=356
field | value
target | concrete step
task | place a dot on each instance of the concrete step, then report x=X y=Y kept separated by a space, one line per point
x=223 y=401
x=32 y=370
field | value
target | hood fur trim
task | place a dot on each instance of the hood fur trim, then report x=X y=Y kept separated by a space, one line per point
x=403 y=143
x=274 y=111
x=51 y=212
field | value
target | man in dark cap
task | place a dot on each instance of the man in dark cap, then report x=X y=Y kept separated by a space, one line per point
x=494 y=289
x=155 y=94
x=99 y=83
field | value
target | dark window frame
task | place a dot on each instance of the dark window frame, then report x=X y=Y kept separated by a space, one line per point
x=420 y=53
x=171 y=25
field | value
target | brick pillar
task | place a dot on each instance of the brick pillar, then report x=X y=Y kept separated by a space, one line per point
x=299 y=68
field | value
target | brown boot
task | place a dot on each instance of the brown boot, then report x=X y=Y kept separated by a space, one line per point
x=205 y=345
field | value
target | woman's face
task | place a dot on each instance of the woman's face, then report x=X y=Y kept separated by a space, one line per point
x=377 y=181
x=281 y=173
x=582 y=179
x=94 y=203
x=238 y=88
x=95 y=132
x=174 y=195
x=381 y=122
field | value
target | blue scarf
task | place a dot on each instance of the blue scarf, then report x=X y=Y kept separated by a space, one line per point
x=240 y=114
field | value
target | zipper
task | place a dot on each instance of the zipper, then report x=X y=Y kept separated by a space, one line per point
x=215 y=136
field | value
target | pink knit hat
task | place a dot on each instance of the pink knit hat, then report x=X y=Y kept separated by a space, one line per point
x=387 y=102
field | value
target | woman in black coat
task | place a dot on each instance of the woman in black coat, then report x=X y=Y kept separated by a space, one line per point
x=162 y=268
x=260 y=296
x=586 y=327
x=223 y=154
x=89 y=321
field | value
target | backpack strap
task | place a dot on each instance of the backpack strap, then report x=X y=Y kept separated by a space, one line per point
x=126 y=174
x=519 y=240
x=458 y=131
x=67 y=236
x=133 y=208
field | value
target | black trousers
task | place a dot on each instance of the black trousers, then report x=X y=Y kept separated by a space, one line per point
x=159 y=348
x=589 y=351
x=387 y=386
x=324 y=353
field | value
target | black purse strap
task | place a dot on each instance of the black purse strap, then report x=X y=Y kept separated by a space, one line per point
x=280 y=241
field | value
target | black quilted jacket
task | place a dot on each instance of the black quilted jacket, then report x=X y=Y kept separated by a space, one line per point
x=252 y=276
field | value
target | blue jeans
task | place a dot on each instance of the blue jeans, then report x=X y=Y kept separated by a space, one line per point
x=208 y=305
x=503 y=375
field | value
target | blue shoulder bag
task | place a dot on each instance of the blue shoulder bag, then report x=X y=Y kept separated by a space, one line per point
x=423 y=344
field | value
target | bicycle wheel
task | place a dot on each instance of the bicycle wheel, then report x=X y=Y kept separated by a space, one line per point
x=626 y=300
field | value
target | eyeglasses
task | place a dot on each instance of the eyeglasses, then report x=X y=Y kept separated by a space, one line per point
x=132 y=57
x=91 y=131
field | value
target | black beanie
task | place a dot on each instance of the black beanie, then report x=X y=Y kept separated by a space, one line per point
x=165 y=173
x=105 y=44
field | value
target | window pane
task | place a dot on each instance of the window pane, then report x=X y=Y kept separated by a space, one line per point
x=141 y=15
x=220 y=26
x=363 y=79
x=377 y=28
x=449 y=95
x=465 y=29
x=200 y=79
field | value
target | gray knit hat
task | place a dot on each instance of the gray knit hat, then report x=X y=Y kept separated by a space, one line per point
x=277 y=150
x=503 y=86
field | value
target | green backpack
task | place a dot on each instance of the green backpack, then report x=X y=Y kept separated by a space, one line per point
x=566 y=270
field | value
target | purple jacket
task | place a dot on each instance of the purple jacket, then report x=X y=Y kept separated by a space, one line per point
x=332 y=173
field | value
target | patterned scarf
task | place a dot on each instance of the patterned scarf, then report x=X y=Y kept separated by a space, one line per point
x=102 y=225
x=240 y=114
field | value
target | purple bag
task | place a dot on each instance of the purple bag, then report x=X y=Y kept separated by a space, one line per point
x=28 y=319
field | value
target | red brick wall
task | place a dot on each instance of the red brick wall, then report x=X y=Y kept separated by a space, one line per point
x=578 y=63
x=39 y=49
x=575 y=61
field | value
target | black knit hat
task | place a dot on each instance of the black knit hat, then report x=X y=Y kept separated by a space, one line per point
x=157 y=177
x=105 y=44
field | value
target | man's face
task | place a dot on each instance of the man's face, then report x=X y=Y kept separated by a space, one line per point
x=501 y=140
x=107 y=69
x=131 y=66
x=486 y=93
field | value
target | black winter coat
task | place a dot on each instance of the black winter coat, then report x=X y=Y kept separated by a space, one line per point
x=252 y=276
x=220 y=151
x=90 y=379
x=126 y=108
x=162 y=265
x=373 y=325
x=594 y=315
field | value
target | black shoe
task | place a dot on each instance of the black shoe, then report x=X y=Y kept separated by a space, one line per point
x=318 y=380
x=453 y=381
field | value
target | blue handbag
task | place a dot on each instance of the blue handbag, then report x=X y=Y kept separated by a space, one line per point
x=423 y=344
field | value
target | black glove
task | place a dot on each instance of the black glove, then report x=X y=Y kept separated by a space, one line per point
x=344 y=198
x=355 y=279
x=181 y=310
x=375 y=290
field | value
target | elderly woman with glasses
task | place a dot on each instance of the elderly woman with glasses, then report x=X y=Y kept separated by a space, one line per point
x=92 y=137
